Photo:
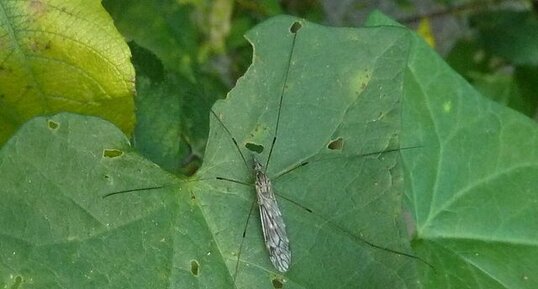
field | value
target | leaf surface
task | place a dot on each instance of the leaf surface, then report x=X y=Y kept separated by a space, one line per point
x=472 y=190
x=62 y=55
x=474 y=196
x=335 y=85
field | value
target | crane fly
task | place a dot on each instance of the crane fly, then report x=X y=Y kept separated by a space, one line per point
x=272 y=223
x=273 y=227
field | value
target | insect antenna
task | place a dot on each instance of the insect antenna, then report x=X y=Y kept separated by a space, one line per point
x=282 y=90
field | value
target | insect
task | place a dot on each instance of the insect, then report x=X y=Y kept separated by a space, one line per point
x=340 y=206
x=273 y=227
x=272 y=222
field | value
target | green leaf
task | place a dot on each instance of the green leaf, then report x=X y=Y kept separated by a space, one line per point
x=342 y=85
x=468 y=58
x=172 y=36
x=57 y=230
x=336 y=85
x=172 y=114
x=509 y=34
x=473 y=188
x=504 y=89
x=62 y=56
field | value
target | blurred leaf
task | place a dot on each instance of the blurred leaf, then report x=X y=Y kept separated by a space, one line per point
x=259 y=9
x=424 y=29
x=515 y=87
x=172 y=104
x=161 y=26
x=172 y=123
x=217 y=20
x=308 y=9
x=468 y=57
x=158 y=133
x=172 y=114
x=146 y=63
x=62 y=56
x=504 y=89
x=509 y=34
x=526 y=80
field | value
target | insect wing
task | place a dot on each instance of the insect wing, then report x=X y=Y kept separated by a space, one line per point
x=274 y=231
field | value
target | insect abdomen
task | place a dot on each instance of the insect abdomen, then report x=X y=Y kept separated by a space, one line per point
x=273 y=227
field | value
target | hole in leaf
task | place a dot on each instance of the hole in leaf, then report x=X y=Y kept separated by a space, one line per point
x=295 y=27
x=191 y=163
x=195 y=267
x=336 y=144
x=277 y=283
x=53 y=124
x=17 y=283
x=112 y=153
x=254 y=147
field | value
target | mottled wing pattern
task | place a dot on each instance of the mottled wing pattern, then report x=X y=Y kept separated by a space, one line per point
x=274 y=233
x=273 y=227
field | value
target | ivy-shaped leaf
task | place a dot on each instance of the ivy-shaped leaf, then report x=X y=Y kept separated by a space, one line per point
x=473 y=188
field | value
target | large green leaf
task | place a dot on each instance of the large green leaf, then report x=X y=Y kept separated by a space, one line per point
x=57 y=231
x=473 y=188
x=60 y=55
x=473 y=191
x=336 y=84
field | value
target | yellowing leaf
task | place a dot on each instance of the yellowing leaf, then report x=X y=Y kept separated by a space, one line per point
x=60 y=55
x=424 y=29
